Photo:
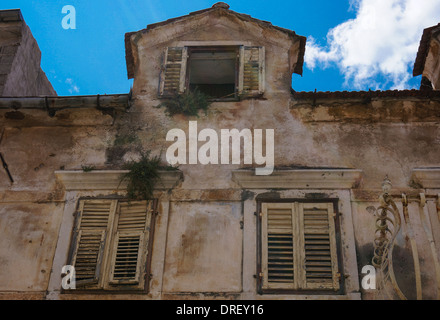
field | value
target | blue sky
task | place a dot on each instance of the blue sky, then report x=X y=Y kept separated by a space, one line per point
x=91 y=58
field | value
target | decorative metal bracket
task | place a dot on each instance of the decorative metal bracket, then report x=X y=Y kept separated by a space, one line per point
x=3 y=161
x=388 y=226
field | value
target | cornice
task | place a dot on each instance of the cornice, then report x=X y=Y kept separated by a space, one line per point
x=299 y=179
x=110 y=179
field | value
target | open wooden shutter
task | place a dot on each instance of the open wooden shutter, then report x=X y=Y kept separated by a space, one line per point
x=131 y=242
x=92 y=227
x=438 y=205
x=173 y=76
x=319 y=250
x=251 y=72
x=278 y=243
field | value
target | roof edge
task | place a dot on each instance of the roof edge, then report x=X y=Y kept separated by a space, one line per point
x=129 y=58
x=51 y=104
x=222 y=7
x=11 y=15
x=423 y=50
x=217 y=6
x=302 y=50
x=364 y=95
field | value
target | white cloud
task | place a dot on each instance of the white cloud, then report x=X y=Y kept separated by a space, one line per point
x=381 y=41
x=73 y=87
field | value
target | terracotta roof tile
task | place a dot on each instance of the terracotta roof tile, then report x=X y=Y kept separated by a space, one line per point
x=312 y=95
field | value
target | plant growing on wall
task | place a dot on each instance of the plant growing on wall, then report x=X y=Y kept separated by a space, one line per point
x=86 y=168
x=143 y=175
x=188 y=103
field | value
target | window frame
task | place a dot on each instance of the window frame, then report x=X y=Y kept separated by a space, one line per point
x=104 y=284
x=259 y=254
x=240 y=70
x=232 y=48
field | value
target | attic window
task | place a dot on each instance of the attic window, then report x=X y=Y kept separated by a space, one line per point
x=222 y=72
x=214 y=71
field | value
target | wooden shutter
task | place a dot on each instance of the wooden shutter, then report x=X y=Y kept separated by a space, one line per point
x=173 y=76
x=252 y=71
x=319 y=250
x=131 y=242
x=278 y=243
x=89 y=239
x=438 y=205
x=298 y=244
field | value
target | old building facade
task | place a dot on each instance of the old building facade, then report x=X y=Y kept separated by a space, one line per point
x=229 y=223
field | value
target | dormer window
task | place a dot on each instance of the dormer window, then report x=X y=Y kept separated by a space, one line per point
x=221 y=72
x=213 y=71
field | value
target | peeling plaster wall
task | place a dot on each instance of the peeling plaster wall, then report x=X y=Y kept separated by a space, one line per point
x=200 y=248
x=383 y=137
x=29 y=233
x=204 y=244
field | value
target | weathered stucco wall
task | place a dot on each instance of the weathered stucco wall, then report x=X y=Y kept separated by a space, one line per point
x=327 y=135
x=29 y=232
x=205 y=238
x=206 y=242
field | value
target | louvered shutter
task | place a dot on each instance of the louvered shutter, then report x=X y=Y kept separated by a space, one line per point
x=278 y=243
x=89 y=239
x=173 y=76
x=298 y=243
x=131 y=242
x=319 y=250
x=438 y=205
x=252 y=71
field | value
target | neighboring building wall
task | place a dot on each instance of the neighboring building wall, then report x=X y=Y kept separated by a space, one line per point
x=20 y=57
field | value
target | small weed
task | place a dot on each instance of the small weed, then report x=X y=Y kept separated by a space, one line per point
x=87 y=168
x=189 y=103
x=143 y=176
x=124 y=139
